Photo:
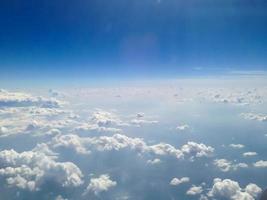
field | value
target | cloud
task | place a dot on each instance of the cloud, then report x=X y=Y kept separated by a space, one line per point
x=254 y=116
x=194 y=190
x=235 y=96
x=35 y=121
x=102 y=121
x=105 y=119
x=165 y=149
x=139 y=122
x=29 y=170
x=247 y=154
x=237 y=146
x=119 y=141
x=197 y=150
x=70 y=141
x=229 y=189
x=140 y=115
x=18 y=99
x=154 y=162
x=226 y=165
x=59 y=197
x=100 y=184
x=182 y=127
x=95 y=127
x=177 y=181
x=3 y=130
x=260 y=164
x=253 y=190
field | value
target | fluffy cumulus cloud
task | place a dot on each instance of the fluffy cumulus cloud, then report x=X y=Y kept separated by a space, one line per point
x=87 y=127
x=154 y=161
x=18 y=99
x=104 y=118
x=3 y=130
x=89 y=132
x=139 y=122
x=261 y=164
x=30 y=169
x=238 y=96
x=182 y=127
x=197 y=150
x=194 y=190
x=34 y=120
x=59 y=197
x=237 y=146
x=177 y=181
x=140 y=119
x=102 y=121
x=119 y=141
x=229 y=189
x=226 y=165
x=250 y=153
x=100 y=184
x=70 y=141
x=254 y=116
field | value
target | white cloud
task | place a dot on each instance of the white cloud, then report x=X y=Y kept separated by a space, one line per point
x=253 y=190
x=197 y=150
x=238 y=96
x=70 y=141
x=254 y=116
x=100 y=184
x=247 y=154
x=260 y=164
x=30 y=169
x=59 y=197
x=203 y=197
x=194 y=190
x=105 y=119
x=95 y=127
x=35 y=121
x=3 y=130
x=140 y=115
x=119 y=141
x=154 y=162
x=190 y=149
x=182 y=127
x=230 y=189
x=237 y=146
x=226 y=165
x=177 y=181
x=139 y=122
x=165 y=149
x=18 y=99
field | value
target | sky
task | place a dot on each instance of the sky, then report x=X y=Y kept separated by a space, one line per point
x=133 y=99
x=118 y=39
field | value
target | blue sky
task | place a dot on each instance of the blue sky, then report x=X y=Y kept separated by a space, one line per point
x=131 y=38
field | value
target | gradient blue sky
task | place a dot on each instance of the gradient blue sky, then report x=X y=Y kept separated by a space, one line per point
x=131 y=38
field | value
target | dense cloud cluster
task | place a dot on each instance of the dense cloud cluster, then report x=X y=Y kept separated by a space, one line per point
x=78 y=148
x=118 y=142
x=229 y=189
x=255 y=116
x=30 y=169
x=100 y=184
x=226 y=165
x=18 y=99
x=177 y=181
x=194 y=190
